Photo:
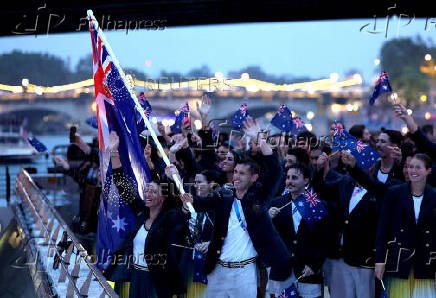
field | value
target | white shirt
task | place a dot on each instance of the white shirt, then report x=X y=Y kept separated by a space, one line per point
x=417 y=206
x=356 y=197
x=237 y=245
x=296 y=217
x=138 y=246
x=382 y=177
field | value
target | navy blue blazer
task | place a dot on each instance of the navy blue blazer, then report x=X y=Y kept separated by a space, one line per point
x=163 y=258
x=402 y=243
x=359 y=227
x=307 y=246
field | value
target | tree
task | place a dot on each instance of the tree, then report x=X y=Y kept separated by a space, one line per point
x=201 y=72
x=40 y=69
x=255 y=72
x=84 y=68
x=401 y=58
x=135 y=73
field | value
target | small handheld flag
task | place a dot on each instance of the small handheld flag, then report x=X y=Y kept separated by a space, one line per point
x=199 y=260
x=93 y=122
x=298 y=126
x=385 y=293
x=35 y=143
x=365 y=155
x=310 y=207
x=147 y=110
x=338 y=130
x=239 y=117
x=283 y=119
x=182 y=120
x=382 y=86
x=290 y=292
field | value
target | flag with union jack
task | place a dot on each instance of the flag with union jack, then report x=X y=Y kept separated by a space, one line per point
x=310 y=206
x=283 y=119
x=364 y=154
x=239 y=117
x=298 y=126
x=338 y=129
x=183 y=119
x=115 y=112
x=290 y=292
x=382 y=86
x=147 y=110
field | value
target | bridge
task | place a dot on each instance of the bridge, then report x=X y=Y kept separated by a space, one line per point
x=72 y=104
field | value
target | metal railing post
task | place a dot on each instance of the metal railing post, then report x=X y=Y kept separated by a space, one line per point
x=8 y=185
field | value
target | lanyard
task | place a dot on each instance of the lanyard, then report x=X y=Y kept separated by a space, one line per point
x=238 y=215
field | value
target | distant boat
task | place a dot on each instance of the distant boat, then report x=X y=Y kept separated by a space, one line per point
x=13 y=140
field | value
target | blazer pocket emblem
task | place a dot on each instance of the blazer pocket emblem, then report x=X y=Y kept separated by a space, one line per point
x=257 y=208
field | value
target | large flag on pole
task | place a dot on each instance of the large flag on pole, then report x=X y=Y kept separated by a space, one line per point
x=115 y=112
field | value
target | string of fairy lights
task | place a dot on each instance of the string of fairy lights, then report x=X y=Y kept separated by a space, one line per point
x=217 y=83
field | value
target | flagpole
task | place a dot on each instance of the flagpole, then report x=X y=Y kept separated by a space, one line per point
x=138 y=106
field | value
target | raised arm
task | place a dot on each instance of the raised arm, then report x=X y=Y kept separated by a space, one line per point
x=367 y=181
x=325 y=180
x=273 y=173
x=201 y=204
x=421 y=141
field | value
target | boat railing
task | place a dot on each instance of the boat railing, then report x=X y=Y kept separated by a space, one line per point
x=59 y=247
x=60 y=150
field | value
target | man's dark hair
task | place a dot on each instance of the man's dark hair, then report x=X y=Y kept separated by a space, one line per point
x=309 y=137
x=303 y=169
x=357 y=131
x=394 y=136
x=252 y=165
x=211 y=176
x=428 y=128
x=300 y=154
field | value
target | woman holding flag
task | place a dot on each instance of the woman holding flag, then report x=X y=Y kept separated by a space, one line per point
x=302 y=232
x=149 y=257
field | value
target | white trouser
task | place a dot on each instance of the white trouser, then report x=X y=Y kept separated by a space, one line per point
x=232 y=282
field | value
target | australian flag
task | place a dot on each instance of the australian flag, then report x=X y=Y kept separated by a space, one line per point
x=182 y=120
x=365 y=155
x=239 y=117
x=115 y=112
x=35 y=143
x=298 y=126
x=382 y=86
x=283 y=119
x=384 y=294
x=147 y=110
x=290 y=292
x=92 y=121
x=199 y=260
x=310 y=206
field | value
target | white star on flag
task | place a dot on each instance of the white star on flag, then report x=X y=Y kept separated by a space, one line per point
x=119 y=224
